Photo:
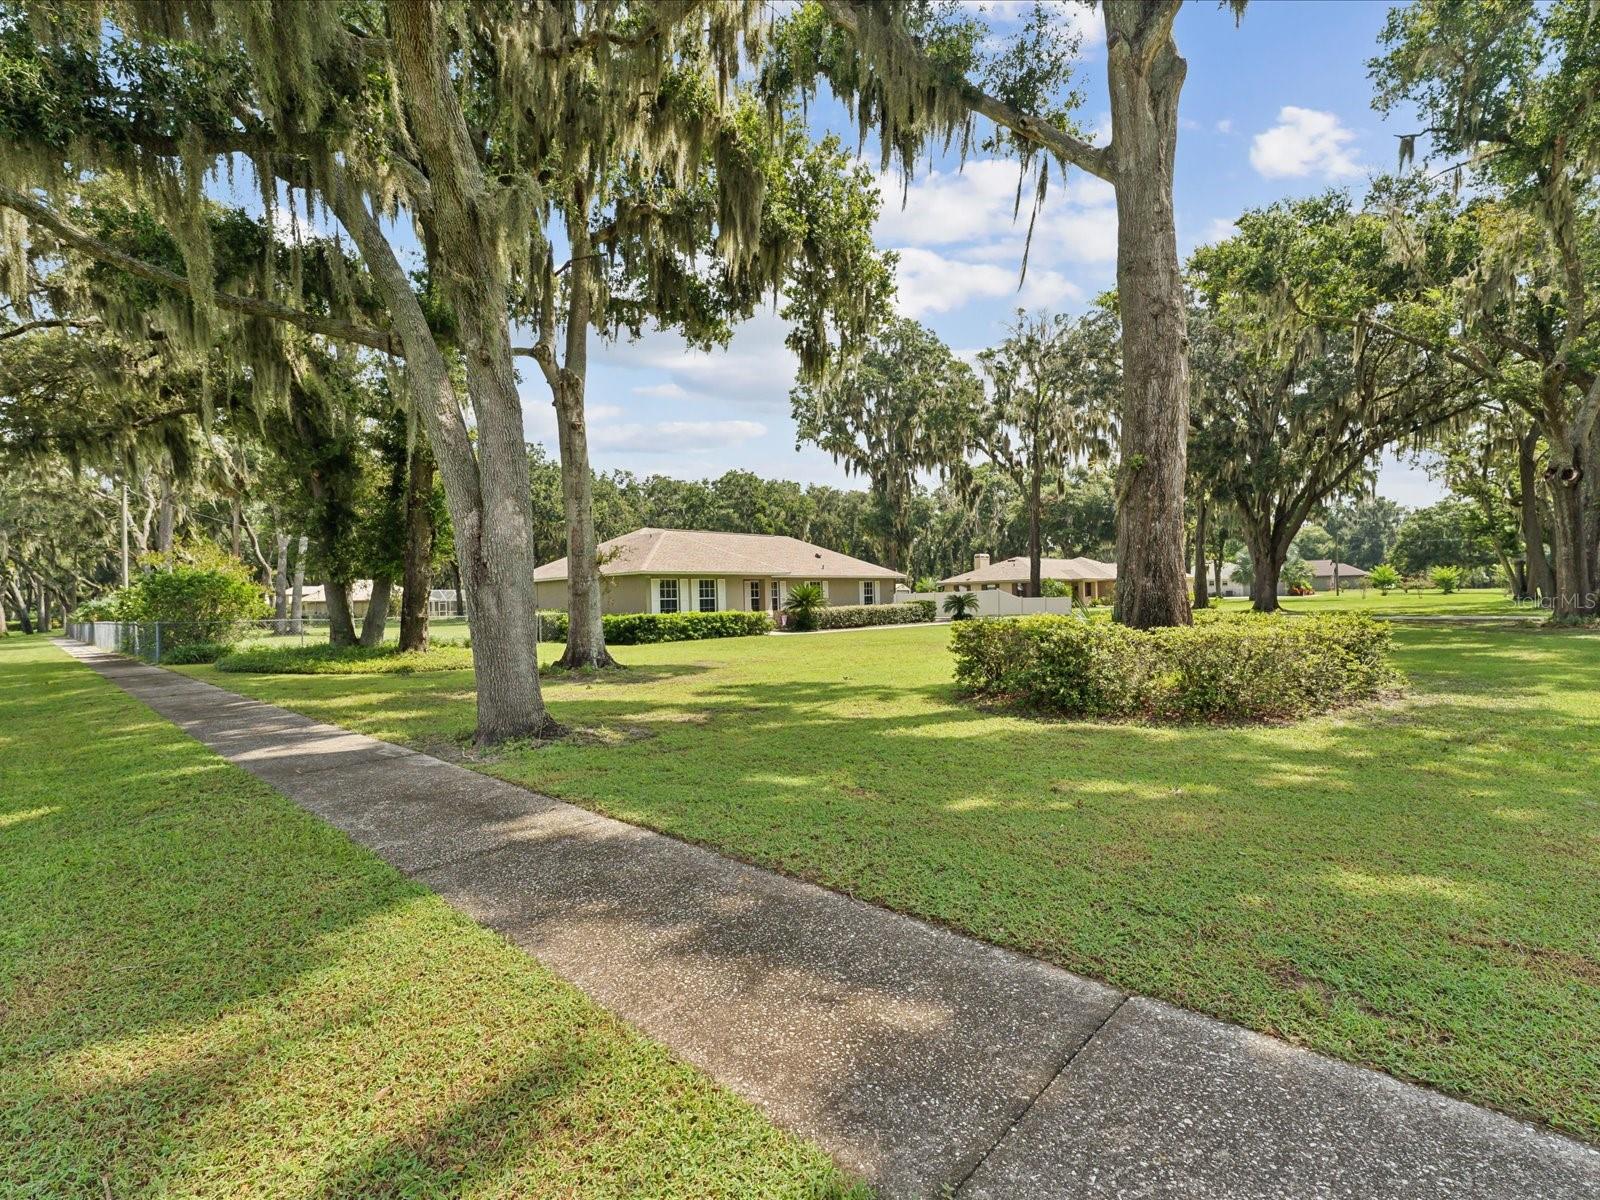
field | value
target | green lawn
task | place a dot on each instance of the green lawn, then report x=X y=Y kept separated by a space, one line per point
x=1414 y=886
x=1471 y=602
x=206 y=992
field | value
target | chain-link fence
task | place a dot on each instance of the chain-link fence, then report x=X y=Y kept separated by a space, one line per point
x=176 y=642
x=158 y=641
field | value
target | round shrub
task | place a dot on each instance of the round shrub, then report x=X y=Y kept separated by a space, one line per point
x=1222 y=667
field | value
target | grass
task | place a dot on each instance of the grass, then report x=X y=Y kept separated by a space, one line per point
x=322 y=659
x=1468 y=602
x=206 y=992
x=1414 y=886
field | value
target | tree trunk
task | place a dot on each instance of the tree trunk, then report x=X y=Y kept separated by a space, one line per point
x=586 y=636
x=376 y=619
x=238 y=543
x=1035 y=542
x=124 y=533
x=165 y=521
x=4 y=628
x=417 y=586
x=461 y=596
x=586 y=639
x=487 y=487
x=1266 y=562
x=1574 y=592
x=24 y=618
x=280 y=583
x=296 y=609
x=1145 y=75
x=1201 y=599
x=341 y=625
x=44 y=607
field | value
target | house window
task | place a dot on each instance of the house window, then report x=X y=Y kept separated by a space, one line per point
x=667 y=595
x=708 y=595
x=777 y=595
x=755 y=595
x=869 y=591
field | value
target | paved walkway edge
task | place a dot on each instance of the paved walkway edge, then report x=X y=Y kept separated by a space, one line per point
x=930 y=1063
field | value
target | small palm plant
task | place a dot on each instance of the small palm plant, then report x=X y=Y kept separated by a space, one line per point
x=805 y=599
x=960 y=606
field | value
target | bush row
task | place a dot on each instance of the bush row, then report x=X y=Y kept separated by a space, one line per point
x=1251 y=666
x=637 y=629
x=857 y=616
x=196 y=605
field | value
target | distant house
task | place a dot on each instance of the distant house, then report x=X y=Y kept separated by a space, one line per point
x=1089 y=578
x=314 y=600
x=1322 y=575
x=1231 y=586
x=690 y=570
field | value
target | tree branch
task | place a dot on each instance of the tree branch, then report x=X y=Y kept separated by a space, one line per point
x=52 y=323
x=1093 y=159
x=79 y=239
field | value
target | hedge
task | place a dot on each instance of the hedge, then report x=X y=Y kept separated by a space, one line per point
x=637 y=629
x=857 y=616
x=1251 y=666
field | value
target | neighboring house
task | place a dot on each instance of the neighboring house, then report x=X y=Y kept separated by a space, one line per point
x=690 y=570
x=1322 y=575
x=1230 y=583
x=314 y=600
x=1089 y=578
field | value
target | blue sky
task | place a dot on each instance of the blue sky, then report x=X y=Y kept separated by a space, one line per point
x=1277 y=106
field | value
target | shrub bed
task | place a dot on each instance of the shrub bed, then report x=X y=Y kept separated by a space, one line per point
x=638 y=629
x=324 y=659
x=1222 y=667
x=858 y=616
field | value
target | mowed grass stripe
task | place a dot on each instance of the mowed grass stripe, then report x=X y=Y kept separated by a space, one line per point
x=1414 y=886
x=206 y=992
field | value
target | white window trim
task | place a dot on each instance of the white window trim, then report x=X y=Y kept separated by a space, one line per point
x=655 y=593
x=716 y=593
x=865 y=584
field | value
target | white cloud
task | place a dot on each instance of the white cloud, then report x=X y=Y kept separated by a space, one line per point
x=1219 y=230
x=1084 y=20
x=959 y=241
x=1225 y=126
x=932 y=283
x=1304 y=142
x=663 y=391
x=675 y=437
x=755 y=368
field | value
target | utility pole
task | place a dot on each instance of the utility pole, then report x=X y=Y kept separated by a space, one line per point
x=124 y=533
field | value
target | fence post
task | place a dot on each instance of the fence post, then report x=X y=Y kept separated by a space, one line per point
x=157 y=658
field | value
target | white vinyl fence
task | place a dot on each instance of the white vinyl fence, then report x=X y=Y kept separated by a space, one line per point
x=996 y=603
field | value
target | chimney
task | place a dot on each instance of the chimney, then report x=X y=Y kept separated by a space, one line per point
x=980 y=561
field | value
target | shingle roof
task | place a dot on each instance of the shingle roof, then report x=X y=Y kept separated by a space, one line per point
x=1324 y=566
x=1015 y=570
x=698 y=552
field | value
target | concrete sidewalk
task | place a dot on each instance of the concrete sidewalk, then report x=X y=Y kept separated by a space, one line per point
x=930 y=1063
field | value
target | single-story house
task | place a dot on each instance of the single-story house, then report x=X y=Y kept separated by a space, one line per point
x=314 y=600
x=1089 y=578
x=692 y=570
x=1322 y=575
x=1231 y=585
